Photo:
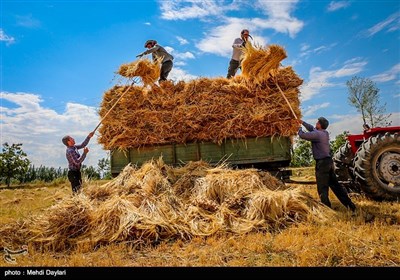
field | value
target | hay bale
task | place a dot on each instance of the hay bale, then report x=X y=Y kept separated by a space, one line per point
x=204 y=109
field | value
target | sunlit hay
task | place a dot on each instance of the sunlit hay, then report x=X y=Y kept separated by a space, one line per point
x=57 y=228
x=280 y=207
x=227 y=186
x=287 y=76
x=123 y=179
x=148 y=71
x=187 y=176
x=113 y=220
x=258 y=61
x=272 y=182
x=201 y=222
x=100 y=193
x=14 y=233
x=150 y=177
x=163 y=218
x=206 y=109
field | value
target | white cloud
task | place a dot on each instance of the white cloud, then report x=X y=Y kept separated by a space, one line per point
x=390 y=75
x=392 y=23
x=6 y=38
x=28 y=21
x=226 y=28
x=320 y=79
x=178 y=74
x=40 y=129
x=310 y=110
x=219 y=39
x=185 y=55
x=183 y=10
x=336 y=5
x=182 y=41
x=353 y=123
x=280 y=18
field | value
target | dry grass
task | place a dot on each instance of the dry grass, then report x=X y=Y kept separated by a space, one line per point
x=203 y=109
x=325 y=238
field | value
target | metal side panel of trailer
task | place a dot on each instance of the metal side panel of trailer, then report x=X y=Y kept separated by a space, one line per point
x=258 y=151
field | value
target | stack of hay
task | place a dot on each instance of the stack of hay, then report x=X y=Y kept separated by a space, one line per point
x=249 y=105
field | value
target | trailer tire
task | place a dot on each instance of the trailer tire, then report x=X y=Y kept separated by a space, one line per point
x=377 y=167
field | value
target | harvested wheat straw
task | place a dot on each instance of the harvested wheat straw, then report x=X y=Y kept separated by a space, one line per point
x=205 y=109
x=158 y=202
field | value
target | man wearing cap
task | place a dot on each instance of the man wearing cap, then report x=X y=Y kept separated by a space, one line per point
x=75 y=160
x=324 y=169
x=157 y=52
x=237 y=53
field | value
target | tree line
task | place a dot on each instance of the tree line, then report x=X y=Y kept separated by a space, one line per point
x=15 y=166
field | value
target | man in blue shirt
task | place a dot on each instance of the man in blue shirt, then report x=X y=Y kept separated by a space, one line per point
x=75 y=160
x=324 y=169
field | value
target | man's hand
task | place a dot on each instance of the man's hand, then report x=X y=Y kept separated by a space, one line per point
x=91 y=134
x=86 y=150
x=300 y=121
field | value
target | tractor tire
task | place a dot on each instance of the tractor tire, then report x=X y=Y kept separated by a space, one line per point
x=377 y=167
x=343 y=166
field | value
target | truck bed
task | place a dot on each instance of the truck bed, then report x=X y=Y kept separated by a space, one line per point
x=269 y=153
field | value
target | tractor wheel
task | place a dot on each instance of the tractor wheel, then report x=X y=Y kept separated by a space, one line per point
x=377 y=167
x=343 y=164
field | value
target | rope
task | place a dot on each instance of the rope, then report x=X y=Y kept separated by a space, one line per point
x=102 y=119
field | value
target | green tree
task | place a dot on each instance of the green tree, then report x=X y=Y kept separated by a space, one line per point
x=339 y=140
x=13 y=162
x=302 y=155
x=364 y=96
x=104 y=168
x=90 y=172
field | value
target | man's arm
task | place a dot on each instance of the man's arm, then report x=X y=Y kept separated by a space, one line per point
x=73 y=157
x=238 y=43
x=84 y=143
x=151 y=50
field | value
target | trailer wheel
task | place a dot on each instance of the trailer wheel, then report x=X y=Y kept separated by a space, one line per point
x=343 y=165
x=377 y=167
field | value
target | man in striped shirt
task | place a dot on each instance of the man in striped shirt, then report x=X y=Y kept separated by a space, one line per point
x=75 y=160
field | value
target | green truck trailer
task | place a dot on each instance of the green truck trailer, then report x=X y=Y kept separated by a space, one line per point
x=271 y=154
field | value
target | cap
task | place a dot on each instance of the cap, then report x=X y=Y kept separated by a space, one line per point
x=245 y=30
x=323 y=122
x=153 y=42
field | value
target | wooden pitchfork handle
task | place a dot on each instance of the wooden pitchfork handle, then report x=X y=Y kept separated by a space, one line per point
x=102 y=119
x=287 y=101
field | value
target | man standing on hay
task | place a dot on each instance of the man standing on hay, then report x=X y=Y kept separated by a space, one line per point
x=238 y=45
x=159 y=52
x=75 y=160
x=324 y=169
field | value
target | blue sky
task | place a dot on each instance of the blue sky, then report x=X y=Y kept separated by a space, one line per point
x=58 y=58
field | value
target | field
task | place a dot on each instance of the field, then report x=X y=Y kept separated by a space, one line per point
x=368 y=238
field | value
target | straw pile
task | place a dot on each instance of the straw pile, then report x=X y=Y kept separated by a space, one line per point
x=158 y=202
x=204 y=109
x=148 y=71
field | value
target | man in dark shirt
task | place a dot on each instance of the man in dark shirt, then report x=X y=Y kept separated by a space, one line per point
x=75 y=160
x=324 y=169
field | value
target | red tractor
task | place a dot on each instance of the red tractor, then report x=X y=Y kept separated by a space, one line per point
x=370 y=163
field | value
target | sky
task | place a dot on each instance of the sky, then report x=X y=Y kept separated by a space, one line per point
x=58 y=58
